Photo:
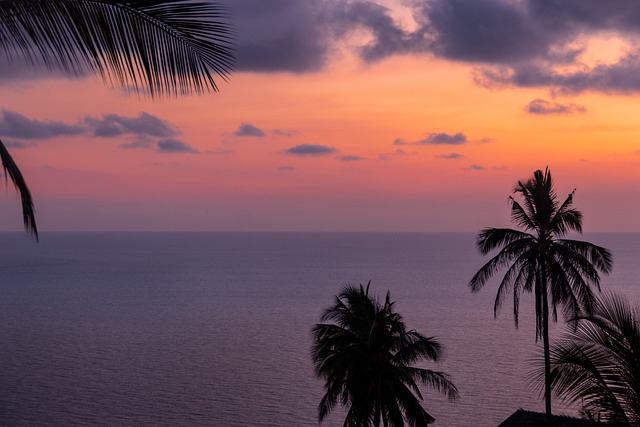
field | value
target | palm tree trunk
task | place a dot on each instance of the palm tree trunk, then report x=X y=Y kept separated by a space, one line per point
x=547 y=358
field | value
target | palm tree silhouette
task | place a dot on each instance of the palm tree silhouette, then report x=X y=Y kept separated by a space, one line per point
x=597 y=364
x=156 y=47
x=560 y=272
x=365 y=357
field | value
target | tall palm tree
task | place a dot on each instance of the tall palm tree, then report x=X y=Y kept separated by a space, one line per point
x=597 y=364
x=156 y=47
x=366 y=355
x=560 y=272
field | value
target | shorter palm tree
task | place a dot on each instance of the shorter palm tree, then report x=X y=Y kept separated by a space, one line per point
x=365 y=357
x=597 y=364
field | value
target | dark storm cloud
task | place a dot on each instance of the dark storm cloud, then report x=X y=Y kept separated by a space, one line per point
x=521 y=41
x=310 y=150
x=544 y=107
x=247 y=129
x=387 y=36
x=593 y=15
x=114 y=125
x=509 y=32
x=484 y=30
x=16 y=125
x=622 y=77
x=280 y=35
x=521 y=44
x=170 y=145
x=297 y=35
x=525 y=39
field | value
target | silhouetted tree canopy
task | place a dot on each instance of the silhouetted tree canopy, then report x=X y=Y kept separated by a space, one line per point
x=365 y=354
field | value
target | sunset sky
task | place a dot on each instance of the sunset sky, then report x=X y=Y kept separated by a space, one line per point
x=396 y=115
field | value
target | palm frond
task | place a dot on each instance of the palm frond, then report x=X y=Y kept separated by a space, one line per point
x=414 y=346
x=598 y=365
x=515 y=277
x=492 y=238
x=520 y=216
x=539 y=197
x=502 y=259
x=568 y=289
x=162 y=47
x=437 y=380
x=415 y=413
x=601 y=258
x=567 y=218
x=12 y=172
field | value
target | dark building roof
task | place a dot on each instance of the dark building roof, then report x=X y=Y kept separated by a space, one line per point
x=522 y=418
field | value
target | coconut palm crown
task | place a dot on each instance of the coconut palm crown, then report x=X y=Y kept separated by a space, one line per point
x=562 y=273
x=155 y=47
x=597 y=364
x=366 y=356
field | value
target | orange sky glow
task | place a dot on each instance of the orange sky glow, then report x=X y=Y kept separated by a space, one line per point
x=374 y=175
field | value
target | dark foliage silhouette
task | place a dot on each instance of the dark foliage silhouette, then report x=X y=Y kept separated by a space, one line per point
x=597 y=364
x=155 y=47
x=366 y=356
x=560 y=272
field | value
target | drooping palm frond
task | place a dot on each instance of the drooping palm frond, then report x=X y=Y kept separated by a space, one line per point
x=163 y=47
x=601 y=258
x=597 y=365
x=491 y=238
x=514 y=245
x=13 y=174
x=365 y=356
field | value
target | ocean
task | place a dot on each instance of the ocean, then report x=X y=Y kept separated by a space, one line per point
x=213 y=329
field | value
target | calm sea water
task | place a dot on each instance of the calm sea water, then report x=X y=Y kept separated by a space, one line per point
x=213 y=329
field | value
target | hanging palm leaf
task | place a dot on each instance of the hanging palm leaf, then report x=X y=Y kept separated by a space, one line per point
x=165 y=47
x=12 y=173
x=597 y=364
